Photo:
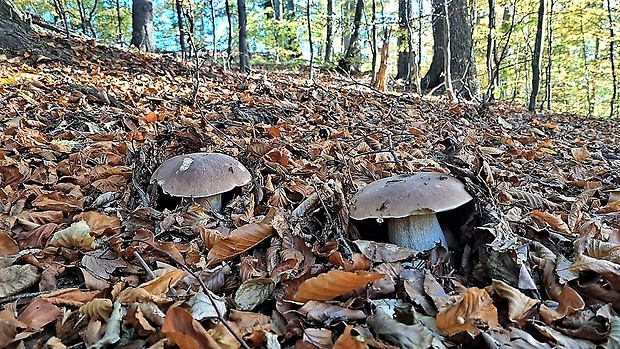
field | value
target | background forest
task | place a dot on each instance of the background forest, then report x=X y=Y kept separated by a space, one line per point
x=575 y=59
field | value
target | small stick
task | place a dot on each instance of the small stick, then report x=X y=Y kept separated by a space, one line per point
x=144 y=265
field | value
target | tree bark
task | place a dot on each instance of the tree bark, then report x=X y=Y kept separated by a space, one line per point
x=537 y=56
x=329 y=36
x=230 y=36
x=143 y=32
x=462 y=61
x=181 y=26
x=14 y=31
x=403 y=67
x=346 y=62
x=244 y=55
x=612 y=53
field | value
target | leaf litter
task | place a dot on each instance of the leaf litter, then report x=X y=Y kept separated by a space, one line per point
x=93 y=255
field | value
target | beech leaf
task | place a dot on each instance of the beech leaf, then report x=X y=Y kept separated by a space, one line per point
x=239 y=241
x=473 y=310
x=333 y=284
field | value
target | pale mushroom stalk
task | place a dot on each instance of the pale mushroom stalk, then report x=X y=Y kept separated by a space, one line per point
x=417 y=232
x=213 y=202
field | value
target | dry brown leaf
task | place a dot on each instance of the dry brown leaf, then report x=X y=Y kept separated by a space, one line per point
x=316 y=338
x=38 y=313
x=569 y=301
x=580 y=154
x=58 y=201
x=162 y=284
x=333 y=284
x=610 y=207
x=554 y=221
x=577 y=209
x=75 y=236
x=350 y=339
x=98 y=308
x=583 y=263
x=473 y=312
x=16 y=278
x=181 y=328
x=99 y=223
x=8 y=246
x=519 y=305
x=239 y=241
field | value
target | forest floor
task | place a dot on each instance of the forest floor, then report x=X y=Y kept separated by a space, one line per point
x=93 y=255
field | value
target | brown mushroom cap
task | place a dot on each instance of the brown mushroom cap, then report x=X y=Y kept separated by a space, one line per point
x=200 y=175
x=407 y=195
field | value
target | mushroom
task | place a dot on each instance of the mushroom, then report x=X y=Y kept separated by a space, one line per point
x=409 y=204
x=201 y=176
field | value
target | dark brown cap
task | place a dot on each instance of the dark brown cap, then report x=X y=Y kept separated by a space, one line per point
x=407 y=195
x=200 y=175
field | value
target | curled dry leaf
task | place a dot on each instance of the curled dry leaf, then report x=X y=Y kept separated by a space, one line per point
x=475 y=310
x=239 y=241
x=181 y=328
x=328 y=314
x=416 y=336
x=333 y=284
x=318 y=337
x=382 y=252
x=357 y=262
x=16 y=278
x=350 y=339
x=568 y=302
x=201 y=307
x=98 y=308
x=37 y=314
x=253 y=292
x=75 y=236
x=162 y=284
x=519 y=305
x=554 y=221
x=576 y=210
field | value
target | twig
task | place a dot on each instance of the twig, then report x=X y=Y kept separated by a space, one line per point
x=393 y=151
x=220 y=316
x=144 y=265
x=141 y=194
x=21 y=296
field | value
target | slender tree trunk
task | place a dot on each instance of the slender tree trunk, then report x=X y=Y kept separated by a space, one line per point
x=329 y=35
x=309 y=22
x=403 y=68
x=385 y=49
x=373 y=39
x=586 y=74
x=612 y=53
x=214 y=49
x=347 y=61
x=537 y=58
x=119 y=21
x=82 y=14
x=447 y=55
x=548 y=85
x=143 y=33
x=60 y=9
x=490 y=58
x=230 y=36
x=180 y=25
x=244 y=55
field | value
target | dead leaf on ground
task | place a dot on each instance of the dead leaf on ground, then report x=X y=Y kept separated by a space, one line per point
x=239 y=241
x=473 y=313
x=333 y=284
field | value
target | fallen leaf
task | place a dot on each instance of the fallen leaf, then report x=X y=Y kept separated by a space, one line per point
x=181 y=328
x=333 y=284
x=239 y=241
x=475 y=311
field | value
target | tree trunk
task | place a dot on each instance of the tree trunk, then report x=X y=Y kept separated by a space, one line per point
x=143 y=33
x=461 y=45
x=537 y=56
x=346 y=62
x=373 y=40
x=309 y=22
x=403 y=67
x=491 y=54
x=180 y=25
x=230 y=36
x=244 y=55
x=548 y=90
x=13 y=28
x=447 y=66
x=612 y=52
x=329 y=36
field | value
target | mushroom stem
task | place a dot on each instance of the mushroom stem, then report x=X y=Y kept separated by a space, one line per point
x=213 y=202
x=416 y=232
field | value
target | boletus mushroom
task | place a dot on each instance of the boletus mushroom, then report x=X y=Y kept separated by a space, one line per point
x=201 y=176
x=408 y=203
